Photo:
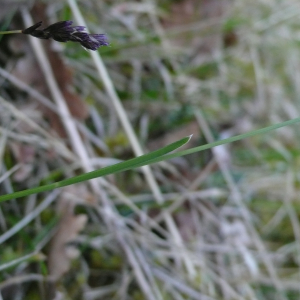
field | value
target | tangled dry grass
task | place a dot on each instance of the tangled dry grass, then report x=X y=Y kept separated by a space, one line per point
x=220 y=224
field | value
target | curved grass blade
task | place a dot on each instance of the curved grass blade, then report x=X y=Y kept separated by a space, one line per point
x=225 y=141
x=150 y=158
x=123 y=166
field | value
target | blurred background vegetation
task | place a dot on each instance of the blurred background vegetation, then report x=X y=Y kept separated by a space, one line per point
x=220 y=224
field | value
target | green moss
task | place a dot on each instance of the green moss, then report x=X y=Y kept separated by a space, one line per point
x=205 y=71
x=119 y=140
x=105 y=262
x=233 y=23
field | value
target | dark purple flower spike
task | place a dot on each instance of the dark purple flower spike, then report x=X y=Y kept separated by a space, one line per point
x=63 y=31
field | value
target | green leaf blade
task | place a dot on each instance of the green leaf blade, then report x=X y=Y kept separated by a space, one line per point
x=122 y=166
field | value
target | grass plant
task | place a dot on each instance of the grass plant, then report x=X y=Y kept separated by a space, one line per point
x=217 y=218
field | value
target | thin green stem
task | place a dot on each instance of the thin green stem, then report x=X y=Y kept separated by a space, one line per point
x=11 y=32
x=224 y=141
x=123 y=166
x=146 y=159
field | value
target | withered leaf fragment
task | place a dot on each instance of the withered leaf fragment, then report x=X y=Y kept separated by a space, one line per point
x=63 y=31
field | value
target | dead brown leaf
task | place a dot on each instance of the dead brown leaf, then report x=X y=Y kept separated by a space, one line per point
x=189 y=12
x=62 y=252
